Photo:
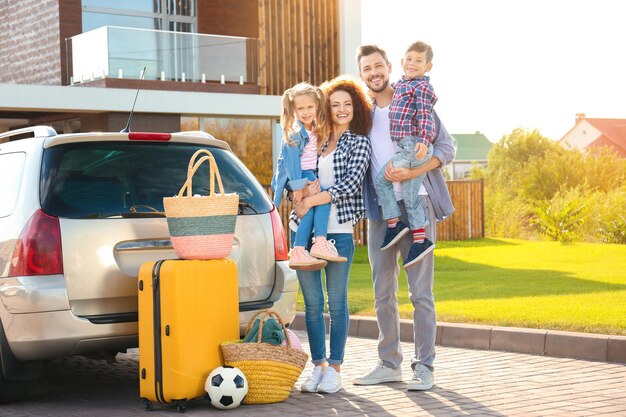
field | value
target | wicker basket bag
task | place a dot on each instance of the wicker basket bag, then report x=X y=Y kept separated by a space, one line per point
x=202 y=227
x=271 y=370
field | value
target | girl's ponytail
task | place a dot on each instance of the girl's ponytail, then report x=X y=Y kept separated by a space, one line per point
x=321 y=124
x=287 y=116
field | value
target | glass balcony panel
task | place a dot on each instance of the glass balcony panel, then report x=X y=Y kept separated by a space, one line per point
x=173 y=56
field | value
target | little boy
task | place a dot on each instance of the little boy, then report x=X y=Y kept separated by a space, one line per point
x=412 y=128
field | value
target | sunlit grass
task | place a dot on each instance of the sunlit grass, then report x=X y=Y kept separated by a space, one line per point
x=505 y=282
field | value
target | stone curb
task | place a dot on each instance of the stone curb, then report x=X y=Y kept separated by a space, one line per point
x=595 y=347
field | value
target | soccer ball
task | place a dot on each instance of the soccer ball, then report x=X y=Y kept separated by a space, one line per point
x=227 y=386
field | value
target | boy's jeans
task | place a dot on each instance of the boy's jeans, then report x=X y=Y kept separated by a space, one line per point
x=404 y=158
x=316 y=219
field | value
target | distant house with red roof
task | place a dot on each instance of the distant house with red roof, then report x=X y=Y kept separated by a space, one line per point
x=589 y=133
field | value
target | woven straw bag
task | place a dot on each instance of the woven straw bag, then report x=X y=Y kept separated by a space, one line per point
x=271 y=370
x=202 y=227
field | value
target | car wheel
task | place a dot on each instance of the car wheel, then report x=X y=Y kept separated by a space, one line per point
x=17 y=378
x=11 y=391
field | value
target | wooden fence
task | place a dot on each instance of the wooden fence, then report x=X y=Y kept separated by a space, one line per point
x=467 y=221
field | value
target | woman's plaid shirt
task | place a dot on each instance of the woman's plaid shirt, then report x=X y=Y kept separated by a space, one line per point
x=350 y=162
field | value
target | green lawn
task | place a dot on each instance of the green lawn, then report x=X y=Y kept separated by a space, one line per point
x=506 y=282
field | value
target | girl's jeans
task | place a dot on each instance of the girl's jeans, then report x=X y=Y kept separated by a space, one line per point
x=316 y=219
x=337 y=274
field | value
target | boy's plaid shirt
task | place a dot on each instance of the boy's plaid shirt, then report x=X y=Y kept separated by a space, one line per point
x=350 y=162
x=411 y=111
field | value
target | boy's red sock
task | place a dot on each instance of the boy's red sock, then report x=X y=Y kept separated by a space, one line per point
x=419 y=235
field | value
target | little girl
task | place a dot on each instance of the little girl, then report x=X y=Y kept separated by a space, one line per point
x=303 y=122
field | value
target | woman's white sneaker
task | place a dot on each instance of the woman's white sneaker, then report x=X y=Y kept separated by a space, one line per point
x=312 y=382
x=331 y=381
x=379 y=374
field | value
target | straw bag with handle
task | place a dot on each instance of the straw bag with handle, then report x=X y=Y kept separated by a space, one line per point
x=271 y=370
x=202 y=227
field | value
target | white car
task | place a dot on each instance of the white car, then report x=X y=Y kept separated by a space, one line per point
x=79 y=215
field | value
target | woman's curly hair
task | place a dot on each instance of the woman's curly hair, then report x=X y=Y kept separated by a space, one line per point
x=362 y=106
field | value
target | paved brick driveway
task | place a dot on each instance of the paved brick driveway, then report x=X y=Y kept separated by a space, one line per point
x=468 y=382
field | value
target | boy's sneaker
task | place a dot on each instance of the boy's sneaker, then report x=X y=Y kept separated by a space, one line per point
x=422 y=380
x=313 y=381
x=379 y=374
x=394 y=234
x=325 y=249
x=331 y=381
x=417 y=253
x=300 y=259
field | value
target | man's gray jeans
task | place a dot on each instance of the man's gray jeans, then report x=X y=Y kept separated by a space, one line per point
x=385 y=272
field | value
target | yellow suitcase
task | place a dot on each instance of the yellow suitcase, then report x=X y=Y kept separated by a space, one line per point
x=187 y=308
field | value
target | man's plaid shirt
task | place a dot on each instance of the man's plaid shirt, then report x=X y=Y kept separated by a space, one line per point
x=411 y=112
x=350 y=162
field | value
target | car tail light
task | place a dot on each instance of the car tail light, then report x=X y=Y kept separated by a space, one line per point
x=281 y=250
x=149 y=136
x=38 y=249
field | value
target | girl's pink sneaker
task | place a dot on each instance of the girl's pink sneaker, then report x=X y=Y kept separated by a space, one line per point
x=325 y=249
x=299 y=258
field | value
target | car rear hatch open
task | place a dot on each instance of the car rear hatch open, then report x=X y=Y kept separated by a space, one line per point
x=108 y=193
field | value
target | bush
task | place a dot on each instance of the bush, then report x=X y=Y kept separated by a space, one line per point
x=533 y=185
x=607 y=221
x=614 y=231
x=506 y=216
x=562 y=217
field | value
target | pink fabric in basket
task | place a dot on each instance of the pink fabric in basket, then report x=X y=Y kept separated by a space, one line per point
x=295 y=341
x=203 y=247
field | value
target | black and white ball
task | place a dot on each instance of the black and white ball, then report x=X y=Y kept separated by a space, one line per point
x=227 y=386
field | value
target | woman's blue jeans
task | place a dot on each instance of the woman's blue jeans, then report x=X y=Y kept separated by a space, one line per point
x=337 y=274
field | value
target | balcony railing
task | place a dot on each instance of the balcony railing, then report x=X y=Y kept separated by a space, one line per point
x=117 y=52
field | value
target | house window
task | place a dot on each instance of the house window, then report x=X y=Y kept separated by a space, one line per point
x=169 y=15
x=249 y=138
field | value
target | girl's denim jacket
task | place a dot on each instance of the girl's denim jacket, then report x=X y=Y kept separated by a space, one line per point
x=288 y=169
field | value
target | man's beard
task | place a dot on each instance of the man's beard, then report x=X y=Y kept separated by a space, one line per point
x=382 y=88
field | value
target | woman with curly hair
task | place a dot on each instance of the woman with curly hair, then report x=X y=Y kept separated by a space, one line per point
x=342 y=163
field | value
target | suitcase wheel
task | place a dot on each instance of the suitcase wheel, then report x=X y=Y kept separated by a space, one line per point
x=181 y=406
x=147 y=404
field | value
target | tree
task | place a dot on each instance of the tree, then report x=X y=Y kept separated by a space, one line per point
x=508 y=159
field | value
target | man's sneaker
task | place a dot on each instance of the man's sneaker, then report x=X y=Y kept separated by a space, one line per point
x=312 y=382
x=394 y=234
x=331 y=381
x=417 y=253
x=300 y=259
x=422 y=380
x=379 y=374
x=325 y=249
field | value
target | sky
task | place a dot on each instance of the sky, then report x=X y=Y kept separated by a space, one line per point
x=499 y=65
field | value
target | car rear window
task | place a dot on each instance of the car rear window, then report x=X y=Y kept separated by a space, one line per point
x=129 y=179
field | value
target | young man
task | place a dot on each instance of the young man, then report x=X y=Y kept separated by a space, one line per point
x=374 y=69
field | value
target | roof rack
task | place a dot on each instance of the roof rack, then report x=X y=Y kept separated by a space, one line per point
x=37 y=131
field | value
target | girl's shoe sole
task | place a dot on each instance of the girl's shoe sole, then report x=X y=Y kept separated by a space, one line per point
x=311 y=267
